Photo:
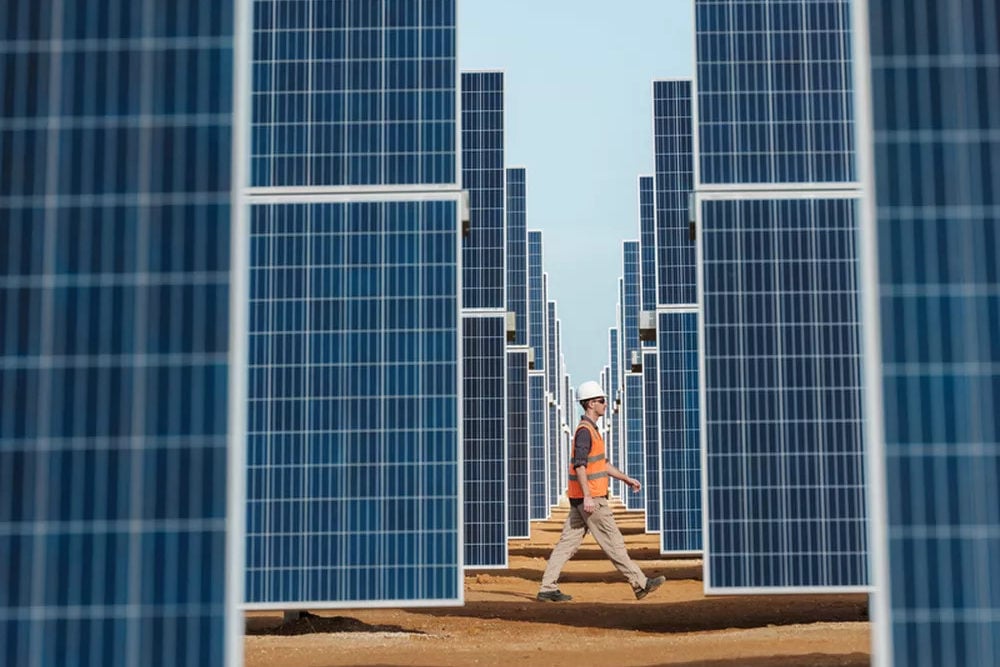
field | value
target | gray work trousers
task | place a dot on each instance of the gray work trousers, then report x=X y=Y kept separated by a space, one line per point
x=601 y=523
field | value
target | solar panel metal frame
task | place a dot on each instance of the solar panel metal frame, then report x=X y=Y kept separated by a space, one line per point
x=635 y=466
x=651 y=440
x=792 y=192
x=496 y=560
x=442 y=187
x=517 y=452
x=916 y=636
x=113 y=619
x=666 y=490
x=538 y=509
x=381 y=194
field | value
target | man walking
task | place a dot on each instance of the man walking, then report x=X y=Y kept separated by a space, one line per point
x=589 y=509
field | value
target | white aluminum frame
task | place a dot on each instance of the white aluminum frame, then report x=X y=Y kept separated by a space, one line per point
x=665 y=310
x=779 y=192
x=467 y=314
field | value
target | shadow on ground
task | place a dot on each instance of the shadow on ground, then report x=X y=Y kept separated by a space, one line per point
x=310 y=623
x=669 y=617
x=805 y=660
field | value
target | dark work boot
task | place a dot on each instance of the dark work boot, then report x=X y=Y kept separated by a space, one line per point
x=553 y=596
x=652 y=584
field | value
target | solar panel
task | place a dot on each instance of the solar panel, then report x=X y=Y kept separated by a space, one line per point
x=679 y=444
x=613 y=446
x=354 y=93
x=631 y=301
x=353 y=449
x=774 y=91
x=782 y=416
x=518 y=515
x=651 y=439
x=674 y=182
x=484 y=338
x=115 y=182
x=551 y=411
x=517 y=252
x=552 y=481
x=932 y=227
x=635 y=459
x=647 y=245
x=483 y=176
x=536 y=299
x=536 y=448
x=484 y=441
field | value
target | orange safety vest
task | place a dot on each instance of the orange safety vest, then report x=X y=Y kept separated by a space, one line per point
x=597 y=466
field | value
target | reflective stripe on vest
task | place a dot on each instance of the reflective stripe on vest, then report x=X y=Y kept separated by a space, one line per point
x=597 y=466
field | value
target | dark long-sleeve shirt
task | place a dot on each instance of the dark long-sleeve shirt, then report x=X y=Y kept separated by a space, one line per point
x=582 y=445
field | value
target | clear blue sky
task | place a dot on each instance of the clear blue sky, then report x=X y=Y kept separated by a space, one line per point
x=579 y=118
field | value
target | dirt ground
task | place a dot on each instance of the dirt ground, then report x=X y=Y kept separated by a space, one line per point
x=502 y=624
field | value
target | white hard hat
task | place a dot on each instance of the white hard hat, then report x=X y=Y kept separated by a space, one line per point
x=589 y=390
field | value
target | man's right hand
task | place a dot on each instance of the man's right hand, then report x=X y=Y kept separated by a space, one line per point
x=589 y=505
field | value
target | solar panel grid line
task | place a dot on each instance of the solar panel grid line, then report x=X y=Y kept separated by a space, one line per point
x=673 y=126
x=746 y=51
x=613 y=444
x=647 y=245
x=370 y=65
x=486 y=448
x=854 y=464
x=651 y=441
x=518 y=441
x=55 y=607
x=536 y=299
x=635 y=459
x=536 y=435
x=679 y=444
x=330 y=224
x=935 y=611
x=517 y=251
x=484 y=177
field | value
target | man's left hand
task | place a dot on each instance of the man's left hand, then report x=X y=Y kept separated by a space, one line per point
x=634 y=483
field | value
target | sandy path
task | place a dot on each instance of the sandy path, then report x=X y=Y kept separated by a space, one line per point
x=502 y=624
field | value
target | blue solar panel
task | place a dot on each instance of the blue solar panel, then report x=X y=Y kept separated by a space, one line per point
x=647 y=244
x=536 y=447
x=651 y=439
x=934 y=69
x=613 y=445
x=679 y=443
x=96 y=259
x=484 y=440
x=674 y=161
x=774 y=91
x=114 y=292
x=353 y=450
x=554 y=480
x=517 y=444
x=551 y=356
x=536 y=299
x=631 y=297
x=783 y=439
x=483 y=176
x=635 y=454
x=517 y=252
x=353 y=93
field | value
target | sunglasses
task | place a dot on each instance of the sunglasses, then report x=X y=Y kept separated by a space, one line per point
x=600 y=400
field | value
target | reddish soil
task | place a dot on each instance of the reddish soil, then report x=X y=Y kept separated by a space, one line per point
x=502 y=624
